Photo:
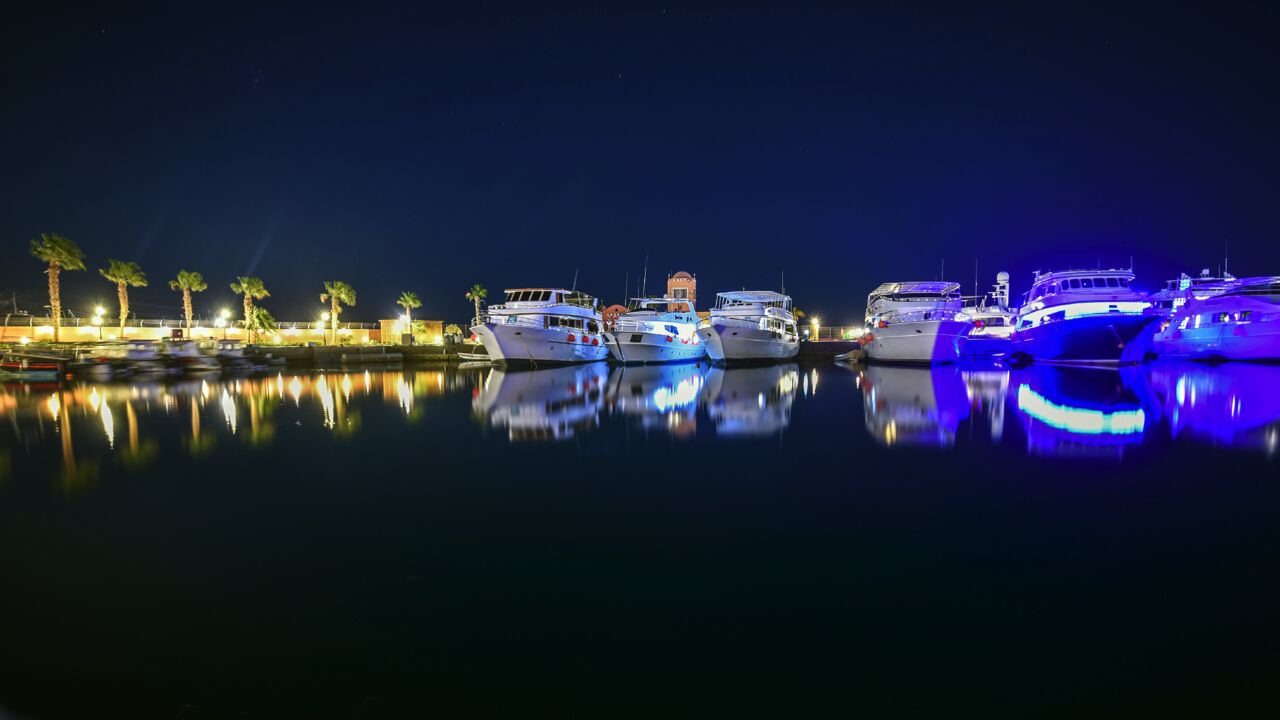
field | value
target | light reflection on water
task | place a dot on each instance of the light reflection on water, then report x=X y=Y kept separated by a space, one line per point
x=1078 y=413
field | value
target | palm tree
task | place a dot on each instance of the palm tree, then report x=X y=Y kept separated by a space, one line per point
x=252 y=289
x=259 y=321
x=124 y=275
x=475 y=295
x=336 y=293
x=60 y=254
x=188 y=282
x=409 y=301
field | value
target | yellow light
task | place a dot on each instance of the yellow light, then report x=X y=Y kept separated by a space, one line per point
x=54 y=405
x=24 y=340
x=99 y=310
x=224 y=314
x=44 y=330
x=324 y=316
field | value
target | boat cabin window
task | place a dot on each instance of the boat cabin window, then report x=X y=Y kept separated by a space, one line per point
x=568 y=322
x=592 y=327
x=1113 y=282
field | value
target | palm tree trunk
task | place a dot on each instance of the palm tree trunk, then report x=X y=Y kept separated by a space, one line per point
x=55 y=300
x=477 y=302
x=122 y=293
x=333 y=315
x=248 y=308
x=186 y=307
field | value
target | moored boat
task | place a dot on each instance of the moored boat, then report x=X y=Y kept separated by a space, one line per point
x=992 y=320
x=1083 y=317
x=656 y=330
x=915 y=322
x=750 y=326
x=542 y=325
x=1241 y=322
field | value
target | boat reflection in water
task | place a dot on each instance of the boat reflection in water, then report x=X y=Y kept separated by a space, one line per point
x=658 y=396
x=1082 y=412
x=750 y=401
x=986 y=389
x=914 y=405
x=1231 y=404
x=542 y=405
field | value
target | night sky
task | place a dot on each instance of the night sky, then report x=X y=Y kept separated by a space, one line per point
x=408 y=147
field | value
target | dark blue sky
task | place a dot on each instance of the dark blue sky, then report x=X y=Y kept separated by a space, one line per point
x=426 y=148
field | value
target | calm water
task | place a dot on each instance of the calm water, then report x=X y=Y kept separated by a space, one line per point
x=794 y=540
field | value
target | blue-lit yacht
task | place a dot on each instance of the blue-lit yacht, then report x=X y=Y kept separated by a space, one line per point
x=542 y=326
x=1238 y=322
x=656 y=330
x=1084 y=317
x=1166 y=301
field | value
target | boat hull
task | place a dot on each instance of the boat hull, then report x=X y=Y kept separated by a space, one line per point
x=1114 y=339
x=524 y=345
x=644 y=348
x=1232 y=341
x=931 y=341
x=738 y=344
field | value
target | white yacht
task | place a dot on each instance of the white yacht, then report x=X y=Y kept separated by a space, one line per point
x=656 y=330
x=915 y=322
x=1088 y=317
x=750 y=325
x=542 y=325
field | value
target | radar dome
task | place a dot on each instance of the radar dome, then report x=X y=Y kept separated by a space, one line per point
x=1002 y=277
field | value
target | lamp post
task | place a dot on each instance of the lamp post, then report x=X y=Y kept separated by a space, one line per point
x=815 y=323
x=324 y=323
x=222 y=322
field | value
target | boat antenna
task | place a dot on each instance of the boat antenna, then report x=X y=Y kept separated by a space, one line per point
x=626 y=287
x=975 y=279
x=784 y=282
x=645 y=286
x=1226 y=257
x=943 y=277
x=575 y=279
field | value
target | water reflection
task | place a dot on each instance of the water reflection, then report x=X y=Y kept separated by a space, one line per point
x=551 y=404
x=751 y=401
x=129 y=424
x=75 y=433
x=1232 y=404
x=657 y=396
x=1082 y=412
x=914 y=405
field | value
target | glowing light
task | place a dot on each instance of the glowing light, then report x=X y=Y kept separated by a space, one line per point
x=280 y=384
x=44 y=330
x=684 y=394
x=94 y=399
x=295 y=389
x=229 y=410
x=54 y=405
x=346 y=388
x=326 y=402
x=109 y=425
x=204 y=390
x=406 y=396
x=324 y=316
x=1083 y=421
x=24 y=340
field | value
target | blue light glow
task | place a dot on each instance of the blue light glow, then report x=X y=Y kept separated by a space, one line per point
x=1083 y=421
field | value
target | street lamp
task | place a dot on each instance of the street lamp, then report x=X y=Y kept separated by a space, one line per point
x=222 y=321
x=815 y=323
